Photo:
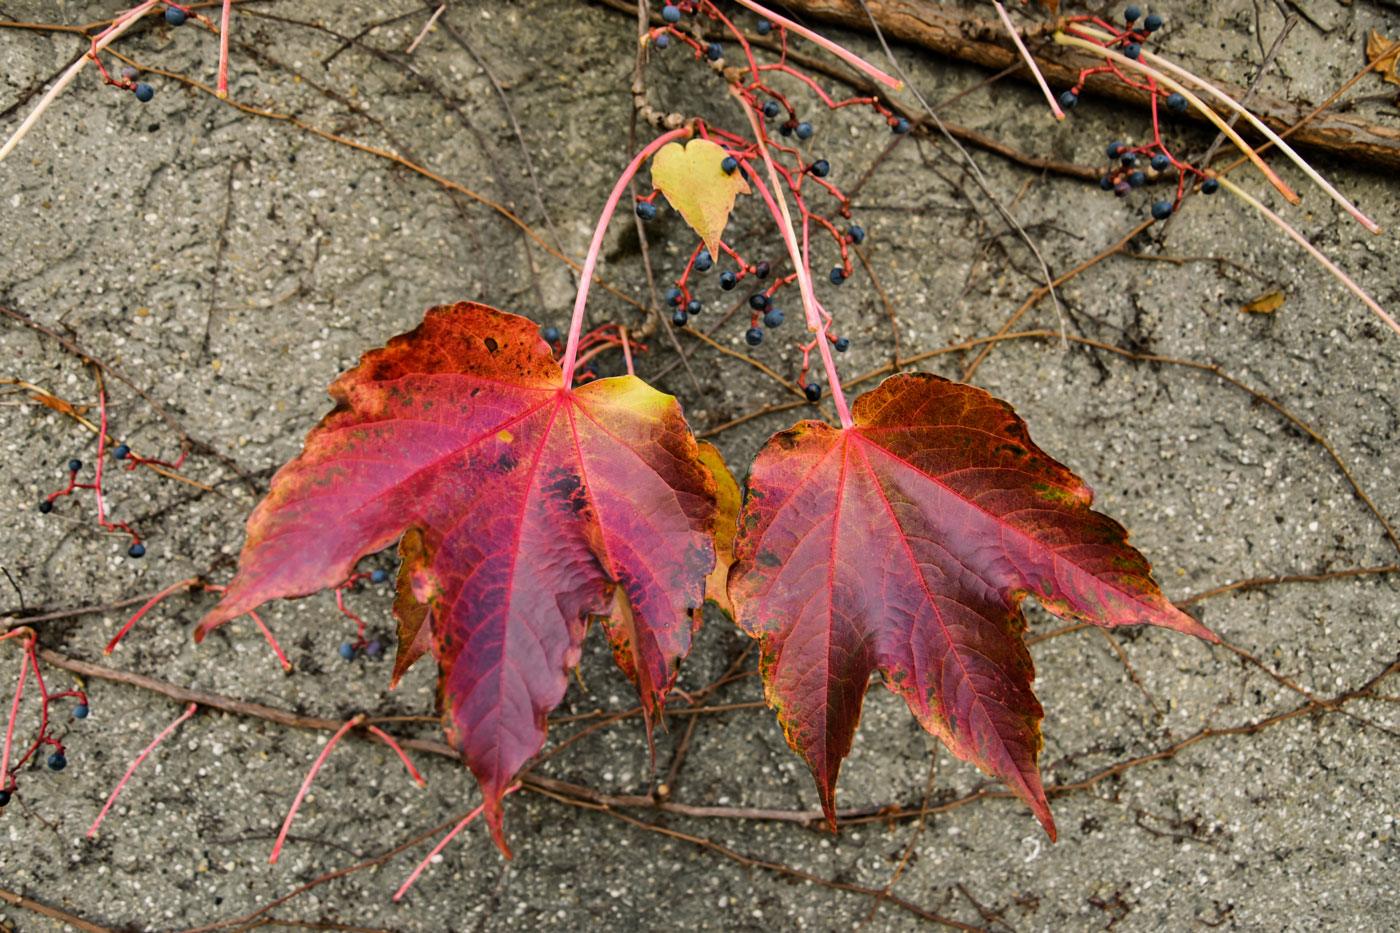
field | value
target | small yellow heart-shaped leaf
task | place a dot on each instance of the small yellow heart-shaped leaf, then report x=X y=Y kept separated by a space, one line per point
x=1264 y=304
x=694 y=183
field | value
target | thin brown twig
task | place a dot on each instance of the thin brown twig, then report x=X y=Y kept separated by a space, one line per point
x=53 y=913
x=909 y=848
x=72 y=347
x=399 y=160
x=749 y=862
x=1128 y=666
x=1042 y=291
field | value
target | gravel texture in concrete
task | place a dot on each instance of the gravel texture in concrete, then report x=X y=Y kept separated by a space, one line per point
x=231 y=264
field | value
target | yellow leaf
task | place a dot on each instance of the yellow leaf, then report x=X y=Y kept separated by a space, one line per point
x=1265 y=304
x=693 y=182
x=1378 y=48
x=726 y=524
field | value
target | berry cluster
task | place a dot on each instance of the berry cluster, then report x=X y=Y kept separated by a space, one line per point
x=57 y=759
x=1137 y=165
x=797 y=172
x=121 y=452
x=371 y=648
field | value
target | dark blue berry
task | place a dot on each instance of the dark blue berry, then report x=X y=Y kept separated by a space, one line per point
x=4 y=798
x=764 y=27
x=703 y=261
x=347 y=651
x=1129 y=159
x=813 y=391
x=174 y=17
x=771 y=109
x=1153 y=22
x=761 y=270
x=729 y=165
x=728 y=280
x=1210 y=186
x=663 y=41
x=786 y=128
x=1115 y=149
x=1106 y=182
x=759 y=301
x=1160 y=163
x=679 y=318
x=856 y=234
x=715 y=52
x=57 y=761
x=144 y=92
x=1162 y=210
x=838 y=275
x=121 y=451
x=820 y=168
x=1121 y=188
x=646 y=210
x=900 y=126
x=754 y=336
x=1176 y=103
x=45 y=507
x=137 y=550
x=80 y=711
x=671 y=13
x=804 y=131
x=1131 y=14
x=1137 y=179
x=550 y=334
x=842 y=344
x=1069 y=99
x=1132 y=50
x=379 y=576
x=75 y=465
x=674 y=296
x=373 y=649
x=773 y=317
x=693 y=306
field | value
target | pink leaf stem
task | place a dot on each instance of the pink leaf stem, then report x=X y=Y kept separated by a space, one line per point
x=189 y=711
x=306 y=784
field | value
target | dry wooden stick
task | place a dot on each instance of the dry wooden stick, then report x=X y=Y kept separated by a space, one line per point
x=62 y=916
x=965 y=36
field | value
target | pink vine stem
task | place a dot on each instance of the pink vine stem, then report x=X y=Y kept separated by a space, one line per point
x=810 y=308
x=626 y=349
x=596 y=247
x=388 y=740
x=189 y=711
x=1313 y=251
x=352 y=723
x=1030 y=62
x=846 y=55
x=192 y=581
x=276 y=648
x=466 y=820
x=223 y=50
x=306 y=784
x=10 y=729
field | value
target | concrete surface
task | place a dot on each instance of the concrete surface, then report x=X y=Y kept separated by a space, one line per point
x=111 y=215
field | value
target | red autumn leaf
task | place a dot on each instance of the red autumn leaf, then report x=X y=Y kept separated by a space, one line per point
x=905 y=545
x=527 y=504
